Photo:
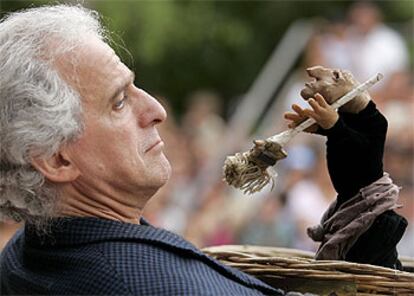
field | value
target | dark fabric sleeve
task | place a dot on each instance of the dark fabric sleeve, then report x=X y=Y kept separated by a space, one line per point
x=355 y=149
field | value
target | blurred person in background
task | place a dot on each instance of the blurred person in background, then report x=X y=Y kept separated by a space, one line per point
x=361 y=43
x=333 y=44
x=374 y=46
x=204 y=125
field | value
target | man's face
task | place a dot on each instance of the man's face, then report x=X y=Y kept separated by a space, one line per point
x=120 y=151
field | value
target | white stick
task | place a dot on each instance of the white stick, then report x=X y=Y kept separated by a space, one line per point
x=284 y=137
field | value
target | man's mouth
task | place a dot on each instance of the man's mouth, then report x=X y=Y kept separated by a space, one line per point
x=157 y=143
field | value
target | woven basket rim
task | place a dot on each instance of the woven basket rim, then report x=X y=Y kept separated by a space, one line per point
x=267 y=262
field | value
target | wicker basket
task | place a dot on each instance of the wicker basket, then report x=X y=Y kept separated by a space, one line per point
x=294 y=270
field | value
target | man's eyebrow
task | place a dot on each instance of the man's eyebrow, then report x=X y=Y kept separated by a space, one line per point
x=123 y=86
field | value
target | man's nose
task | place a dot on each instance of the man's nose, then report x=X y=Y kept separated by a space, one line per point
x=152 y=112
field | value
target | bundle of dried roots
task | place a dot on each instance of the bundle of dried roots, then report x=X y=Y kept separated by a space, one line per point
x=249 y=171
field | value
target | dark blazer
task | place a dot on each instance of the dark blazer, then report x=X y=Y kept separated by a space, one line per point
x=91 y=256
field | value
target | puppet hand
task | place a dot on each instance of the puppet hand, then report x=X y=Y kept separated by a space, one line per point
x=298 y=117
x=324 y=115
x=322 y=112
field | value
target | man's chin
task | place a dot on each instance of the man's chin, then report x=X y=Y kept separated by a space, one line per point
x=159 y=172
x=165 y=170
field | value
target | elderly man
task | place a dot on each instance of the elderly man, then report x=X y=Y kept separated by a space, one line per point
x=80 y=158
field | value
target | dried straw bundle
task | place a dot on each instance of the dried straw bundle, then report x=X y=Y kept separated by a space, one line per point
x=296 y=270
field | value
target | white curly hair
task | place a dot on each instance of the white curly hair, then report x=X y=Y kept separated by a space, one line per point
x=39 y=111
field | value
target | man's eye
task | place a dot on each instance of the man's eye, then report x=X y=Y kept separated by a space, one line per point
x=121 y=103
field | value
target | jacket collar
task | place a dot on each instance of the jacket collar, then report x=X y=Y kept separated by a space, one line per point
x=80 y=231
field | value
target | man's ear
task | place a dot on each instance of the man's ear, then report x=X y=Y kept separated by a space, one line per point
x=58 y=168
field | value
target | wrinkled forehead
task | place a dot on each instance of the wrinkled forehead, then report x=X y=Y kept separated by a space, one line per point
x=91 y=67
x=84 y=55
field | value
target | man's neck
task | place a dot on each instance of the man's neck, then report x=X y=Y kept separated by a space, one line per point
x=76 y=202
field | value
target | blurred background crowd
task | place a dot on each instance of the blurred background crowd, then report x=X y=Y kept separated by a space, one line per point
x=226 y=72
